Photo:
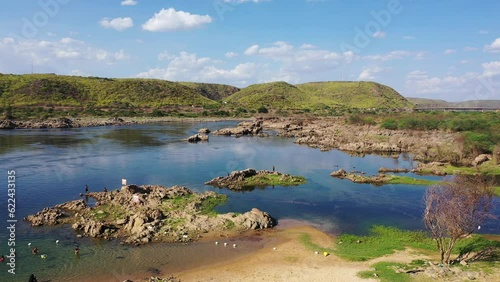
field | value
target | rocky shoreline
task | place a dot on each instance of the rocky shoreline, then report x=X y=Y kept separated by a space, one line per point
x=150 y=213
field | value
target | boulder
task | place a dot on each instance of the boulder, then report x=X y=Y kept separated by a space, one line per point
x=197 y=137
x=204 y=131
x=481 y=159
x=255 y=219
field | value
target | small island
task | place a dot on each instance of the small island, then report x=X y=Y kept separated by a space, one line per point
x=251 y=178
x=381 y=178
x=142 y=214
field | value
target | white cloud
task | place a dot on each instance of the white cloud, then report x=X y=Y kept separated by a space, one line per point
x=494 y=47
x=307 y=46
x=252 y=50
x=370 y=73
x=393 y=55
x=466 y=86
x=117 y=24
x=483 y=32
x=449 y=51
x=189 y=67
x=231 y=55
x=491 y=69
x=170 y=19
x=407 y=37
x=60 y=56
x=300 y=64
x=129 y=3
x=379 y=34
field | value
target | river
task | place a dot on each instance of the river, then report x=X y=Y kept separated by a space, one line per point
x=53 y=166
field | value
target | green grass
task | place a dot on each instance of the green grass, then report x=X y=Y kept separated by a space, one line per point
x=496 y=191
x=306 y=240
x=386 y=272
x=263 y=180
x=385 y=240
x=207 y=205
x=486 y=168
x=108 y=212
x=381 y=241
x=395 y=179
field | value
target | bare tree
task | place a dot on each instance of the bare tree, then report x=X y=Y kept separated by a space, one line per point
x=455 y=209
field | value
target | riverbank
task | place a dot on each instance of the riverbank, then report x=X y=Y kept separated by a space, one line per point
x=102 y=121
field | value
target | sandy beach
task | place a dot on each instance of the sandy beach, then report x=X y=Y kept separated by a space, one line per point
x=290 y=261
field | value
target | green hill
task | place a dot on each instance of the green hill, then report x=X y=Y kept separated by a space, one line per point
x=73 y=91
x=212 y=91
x=339 y=94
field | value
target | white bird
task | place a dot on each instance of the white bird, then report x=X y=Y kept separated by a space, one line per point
x=57 y=241
x=274 y=249
x=217 y=243
x=479 y=227
x=234 y=245
x=29 y=244
x=225 y=244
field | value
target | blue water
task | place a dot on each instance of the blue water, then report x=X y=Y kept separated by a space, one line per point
x=53 y=166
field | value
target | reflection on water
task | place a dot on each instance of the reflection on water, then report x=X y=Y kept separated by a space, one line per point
x=53 y=166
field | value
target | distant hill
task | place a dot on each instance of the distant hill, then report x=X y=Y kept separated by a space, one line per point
x=212 y=91
x=74 y=92
x=282 y=95
x=71 y=91
x=422 y=102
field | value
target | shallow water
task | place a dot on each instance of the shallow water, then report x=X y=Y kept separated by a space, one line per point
x=53 y=166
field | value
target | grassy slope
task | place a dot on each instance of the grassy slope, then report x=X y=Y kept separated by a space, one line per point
x=212 y=91
x=71 y=91
x=57 y=90
x=281 y=95
x=355 y=94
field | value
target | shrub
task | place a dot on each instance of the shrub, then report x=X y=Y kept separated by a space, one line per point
x=262 y=109
x=390 y=124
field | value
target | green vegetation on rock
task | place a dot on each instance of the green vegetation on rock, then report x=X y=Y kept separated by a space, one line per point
x=261 y=180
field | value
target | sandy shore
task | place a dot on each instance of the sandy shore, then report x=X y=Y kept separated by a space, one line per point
x=291 y=261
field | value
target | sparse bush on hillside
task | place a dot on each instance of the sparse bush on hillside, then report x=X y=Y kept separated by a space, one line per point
x=262 y=109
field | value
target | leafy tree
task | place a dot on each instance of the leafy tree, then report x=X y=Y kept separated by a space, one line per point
x=455 y=210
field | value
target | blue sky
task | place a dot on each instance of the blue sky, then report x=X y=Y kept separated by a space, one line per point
x=446 y=49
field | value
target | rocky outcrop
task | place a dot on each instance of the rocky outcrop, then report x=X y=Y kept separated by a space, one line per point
x=204 y=130
x=481 y=159
x=335 y=133
x=48 y=216
x=357 y=178
x=435 y=168
x=7 y=124
x=239 y=179
x=255 y=219
x=142 y=214
x=395 y=170
x=244 y=128
x=197 y=137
